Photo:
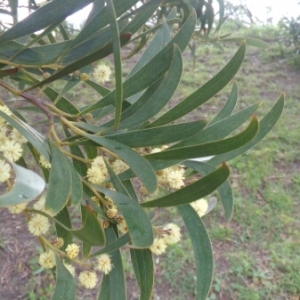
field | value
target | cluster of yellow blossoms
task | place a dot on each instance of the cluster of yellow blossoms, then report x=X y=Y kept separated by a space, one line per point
x=11 y=141
x=87 y=278
x=97 y=173
x=102 y=73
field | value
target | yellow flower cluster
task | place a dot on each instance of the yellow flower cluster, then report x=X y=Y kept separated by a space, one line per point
x=10 y=140
x=47 y=260
x=104 y=263
x=173 y=177
x=102 y=73
x=18 y=208
x=200 y=206
x=44 y=162
x=169 y=234
x=88 y=279
x=97 y=172
x=72 y=250
x=38 y=225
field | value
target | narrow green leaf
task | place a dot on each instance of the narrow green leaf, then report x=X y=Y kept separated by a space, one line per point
x=97 y=6
x=101 y=19
x=76 y=189
x=103 y=91
x=213 y=148
x=130 y=189
x=88 y=59
x=60 y=181
x=117 y=61
x=116 y=276
x=250 y=41
x=265 y=126
x=86 y=246
x=224 y=190
x=154 y=68
x=65 y=288
x=63 y=103
x=63 y=32
x=31 y=135
x=207 y=91
x=137 y=163
x=119 y=187
x=92 y=231
x=144 y=271
x=158 y=135
x=229 y=105
x=105 y=288
x=220 y=129
x=142 y=16
x=139 y=225
x=160 y=97
x=161 y=37
x=64 y=217
x=120 y=242
x=146 y=76
x=27 y=186
x=202 y=250
x=221 y=14
x=194 y=191
x=81 y=168
x=86 y=249
x=53 y=12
